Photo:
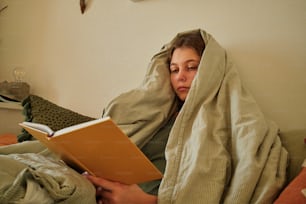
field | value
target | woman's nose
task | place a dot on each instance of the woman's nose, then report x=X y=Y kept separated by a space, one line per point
x=181 y=76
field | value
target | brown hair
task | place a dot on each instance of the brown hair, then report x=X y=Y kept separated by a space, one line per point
x=193 y=40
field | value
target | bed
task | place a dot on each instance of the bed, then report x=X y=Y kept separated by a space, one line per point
x=293 y=141
x=240 y=156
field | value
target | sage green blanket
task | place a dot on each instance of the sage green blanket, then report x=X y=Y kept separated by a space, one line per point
x=221 y=148
x=29 y=173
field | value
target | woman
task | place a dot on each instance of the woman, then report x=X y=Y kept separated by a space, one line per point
x=193 y=110
x=184 y=58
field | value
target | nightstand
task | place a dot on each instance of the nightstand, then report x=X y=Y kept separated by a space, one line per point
x=10 y=116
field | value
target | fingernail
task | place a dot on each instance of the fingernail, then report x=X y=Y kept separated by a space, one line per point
x=85 y=173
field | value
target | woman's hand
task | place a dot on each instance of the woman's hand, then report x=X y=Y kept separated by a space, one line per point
x=109 y=192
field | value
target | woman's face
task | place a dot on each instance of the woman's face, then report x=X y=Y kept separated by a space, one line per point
x=183 y=67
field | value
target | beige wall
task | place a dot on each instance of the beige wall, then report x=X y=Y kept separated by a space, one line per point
x=83 y=61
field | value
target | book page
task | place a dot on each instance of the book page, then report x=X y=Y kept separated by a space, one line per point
x=40 y=127
x=79 y=126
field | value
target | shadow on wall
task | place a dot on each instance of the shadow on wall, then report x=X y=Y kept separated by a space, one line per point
x=294 y=142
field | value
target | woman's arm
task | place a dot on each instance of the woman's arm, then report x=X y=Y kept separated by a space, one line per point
x=118 y=193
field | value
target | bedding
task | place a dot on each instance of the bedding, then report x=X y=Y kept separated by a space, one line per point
x=31 y=174
x=221 y=148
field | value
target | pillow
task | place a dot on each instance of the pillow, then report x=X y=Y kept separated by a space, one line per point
x=39 y=110
x=293 y=193
x=7 y=139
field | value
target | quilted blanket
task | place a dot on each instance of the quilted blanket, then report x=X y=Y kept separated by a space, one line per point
x=221 y=149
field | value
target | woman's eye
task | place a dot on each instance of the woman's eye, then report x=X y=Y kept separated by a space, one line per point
x=191 y=68
x=174 y=70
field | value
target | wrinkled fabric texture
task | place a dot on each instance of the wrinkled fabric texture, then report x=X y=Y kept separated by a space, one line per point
x=29 y=173
x=221 y=148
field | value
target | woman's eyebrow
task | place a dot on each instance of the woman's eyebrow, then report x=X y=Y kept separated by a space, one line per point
x=187 y=61
x=192 y=60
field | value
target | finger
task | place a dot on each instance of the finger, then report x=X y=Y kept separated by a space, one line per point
x=99 y=190
x=105 y=184
x=106 y=195
x=103 y=195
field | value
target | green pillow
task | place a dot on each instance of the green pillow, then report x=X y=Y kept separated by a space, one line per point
x=39 y=110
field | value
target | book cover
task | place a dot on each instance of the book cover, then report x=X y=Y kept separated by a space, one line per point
x=100 y=148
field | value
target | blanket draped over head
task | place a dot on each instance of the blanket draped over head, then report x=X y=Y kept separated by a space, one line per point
x=221 y=148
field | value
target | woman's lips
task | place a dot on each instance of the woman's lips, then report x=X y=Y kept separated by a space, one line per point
x=182 y=89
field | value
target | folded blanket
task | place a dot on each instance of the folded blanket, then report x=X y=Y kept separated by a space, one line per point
x=31 y=174
x=221 y=148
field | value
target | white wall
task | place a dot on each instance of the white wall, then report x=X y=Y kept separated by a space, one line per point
x=82 y=61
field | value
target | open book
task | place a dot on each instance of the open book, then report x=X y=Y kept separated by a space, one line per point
x=98 y=147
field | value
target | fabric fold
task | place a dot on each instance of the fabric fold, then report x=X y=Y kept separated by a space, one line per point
x=142 y=111
x=34 y=175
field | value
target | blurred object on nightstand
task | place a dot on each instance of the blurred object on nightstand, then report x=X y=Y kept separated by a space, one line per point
x=11 y=96
x=14 y=91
